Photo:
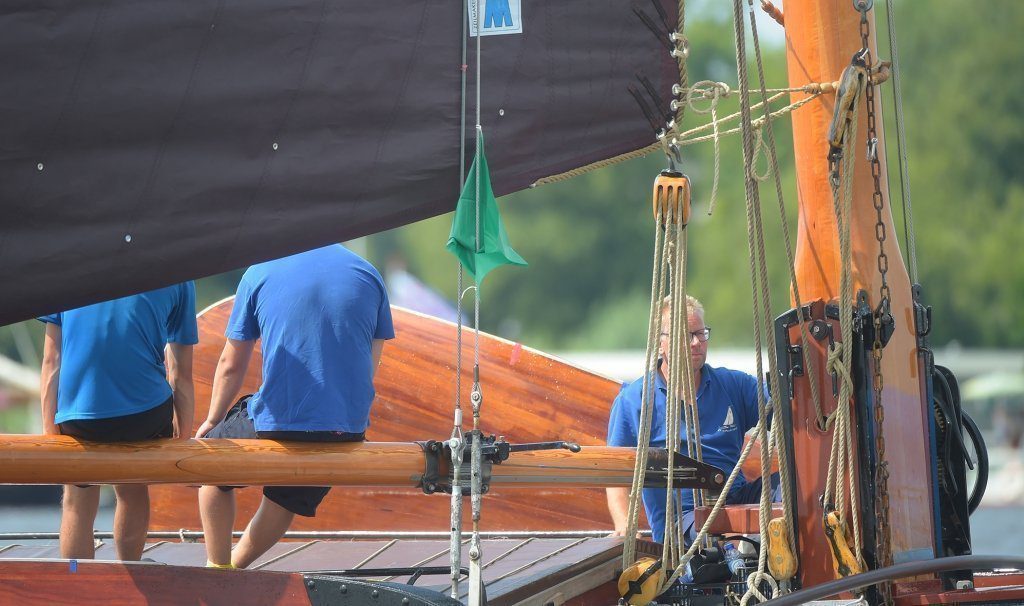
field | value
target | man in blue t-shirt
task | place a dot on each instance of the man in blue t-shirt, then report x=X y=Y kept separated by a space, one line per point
x=322 y=317
x=104 y=379
x=727 y=409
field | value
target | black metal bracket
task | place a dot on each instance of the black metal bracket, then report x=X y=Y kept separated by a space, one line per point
x=864 y=320
x=570 y=446
x=494 y=450
x=922 y=317
x=790 y=357
x=687 y=472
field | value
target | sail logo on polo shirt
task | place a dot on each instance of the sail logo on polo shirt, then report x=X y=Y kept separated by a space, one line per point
x=496 y=17
x=728 y=424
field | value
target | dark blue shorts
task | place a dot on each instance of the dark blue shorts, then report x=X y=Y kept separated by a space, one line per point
x=300 y=500
x=153 y=424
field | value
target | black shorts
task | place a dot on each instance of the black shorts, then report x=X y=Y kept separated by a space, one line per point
x=153 y=424
x=300 y=500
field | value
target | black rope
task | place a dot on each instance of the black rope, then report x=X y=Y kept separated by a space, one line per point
x=898 y=571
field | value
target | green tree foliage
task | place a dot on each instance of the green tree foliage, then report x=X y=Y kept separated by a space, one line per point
x=964 y=104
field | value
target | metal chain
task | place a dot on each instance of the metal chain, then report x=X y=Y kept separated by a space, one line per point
x=883 y=546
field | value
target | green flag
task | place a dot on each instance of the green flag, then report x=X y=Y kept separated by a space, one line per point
x=493 y=249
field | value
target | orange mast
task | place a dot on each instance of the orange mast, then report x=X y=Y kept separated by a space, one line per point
x=821 y=38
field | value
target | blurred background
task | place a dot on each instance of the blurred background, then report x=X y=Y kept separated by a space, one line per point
x=588 y=241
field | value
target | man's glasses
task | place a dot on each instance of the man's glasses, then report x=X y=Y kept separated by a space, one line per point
x=701 y=335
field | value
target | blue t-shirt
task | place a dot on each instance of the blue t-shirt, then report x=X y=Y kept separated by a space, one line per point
x=317 y=314
x=112 y=353
x=727 y=407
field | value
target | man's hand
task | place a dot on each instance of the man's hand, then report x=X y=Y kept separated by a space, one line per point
x=205 y=428
x=621 y=532
x=227 y=381
x=50 y=429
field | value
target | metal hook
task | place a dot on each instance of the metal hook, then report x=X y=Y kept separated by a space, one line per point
x=675 y=158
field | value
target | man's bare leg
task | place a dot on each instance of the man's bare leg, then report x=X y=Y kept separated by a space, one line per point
x=76 y=521
x=264 y=531
x=131 y=520
x=217 y=510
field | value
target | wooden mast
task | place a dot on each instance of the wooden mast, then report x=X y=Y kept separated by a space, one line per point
x=821 y=38
x=30 y=459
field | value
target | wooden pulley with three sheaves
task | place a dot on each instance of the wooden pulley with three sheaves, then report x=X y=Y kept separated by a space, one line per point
x=671 y=196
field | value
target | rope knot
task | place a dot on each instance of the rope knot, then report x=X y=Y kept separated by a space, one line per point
x=706 y=89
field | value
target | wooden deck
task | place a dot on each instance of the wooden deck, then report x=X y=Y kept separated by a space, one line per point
x=516 y=571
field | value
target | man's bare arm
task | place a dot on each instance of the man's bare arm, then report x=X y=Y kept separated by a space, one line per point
x=618 y=507
x=227 y=381
x=376 y=350
x=49 y=376
x=179 y=375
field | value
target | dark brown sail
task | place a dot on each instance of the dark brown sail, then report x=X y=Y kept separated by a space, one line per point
x=147 y=143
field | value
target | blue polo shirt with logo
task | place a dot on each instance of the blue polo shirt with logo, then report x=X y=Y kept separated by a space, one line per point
x=317 y=314
x=112 y=353
x=727 y=407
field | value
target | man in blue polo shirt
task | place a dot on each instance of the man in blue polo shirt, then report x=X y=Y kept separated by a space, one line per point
x=103 y=379
x=727 y=409
x=322 y=316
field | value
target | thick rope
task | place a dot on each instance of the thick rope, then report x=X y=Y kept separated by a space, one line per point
x=813 y=90
x=681 y=52
x=673 y=407
x=703 y=533
x=717 y=91
x=786 y=481
x=760 y=289
x=839 y=479
x=687 y=138
x=646 y=405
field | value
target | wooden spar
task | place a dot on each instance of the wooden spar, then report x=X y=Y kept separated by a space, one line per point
x=31 y=459
x=821 y=38
x=530 y=397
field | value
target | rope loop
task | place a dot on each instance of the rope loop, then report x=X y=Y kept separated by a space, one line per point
x=706 y=89
x=760 y=152
x=753 y=592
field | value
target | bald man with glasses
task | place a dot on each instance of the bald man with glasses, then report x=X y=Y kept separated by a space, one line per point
x=727 y=408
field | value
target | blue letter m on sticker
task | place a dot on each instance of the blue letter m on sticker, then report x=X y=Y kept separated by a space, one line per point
x=498 y=14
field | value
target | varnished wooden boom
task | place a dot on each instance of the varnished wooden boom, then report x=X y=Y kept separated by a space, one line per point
x=32 y=459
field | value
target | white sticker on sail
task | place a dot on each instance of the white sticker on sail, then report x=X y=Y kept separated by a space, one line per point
x=499 y=16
